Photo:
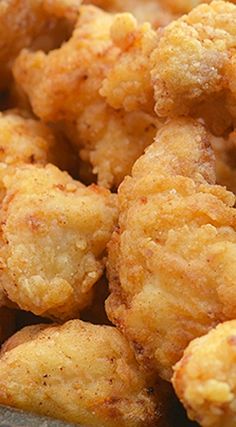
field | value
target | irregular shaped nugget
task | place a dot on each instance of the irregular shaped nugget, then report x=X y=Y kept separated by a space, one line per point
x=78 y=372
x=170 y=261
x=27 y=22
x=110 y=121
x=204 y=379
x=194 y=59
x=53 y=239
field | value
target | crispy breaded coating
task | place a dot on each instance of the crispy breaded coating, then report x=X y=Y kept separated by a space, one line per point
x=53 y=239
x=127 y=84
x=144 y=10
x=170 y=261
x=157 y=12
x=205 y=380
x=192 y=60
x=26 y=23
x=80 y=373
x=97 y=85
x=24 y=139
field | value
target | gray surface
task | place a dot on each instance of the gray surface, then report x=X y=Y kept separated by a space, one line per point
x=10 y=417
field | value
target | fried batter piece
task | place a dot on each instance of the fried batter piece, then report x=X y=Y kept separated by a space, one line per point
x=80 y=373
x=53 y=239
x=194 y=63
x=26 y=23
x=205 y=379
x=26 y=140
x=170 y=260
x=98 y=87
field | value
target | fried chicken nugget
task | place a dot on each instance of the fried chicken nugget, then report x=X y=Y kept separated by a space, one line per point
x=194 y=61
x=78 y=372
x=53 y=239
x=25 y=23
x=108 y=115
x=170 y=261
x=204 y=379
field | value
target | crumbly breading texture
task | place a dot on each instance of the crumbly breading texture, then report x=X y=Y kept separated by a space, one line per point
x=98 y=86
x=170 y=262
x=195 y=60
x=205 y=379
x=158 y=12
x=24 y=139
x=144 y=10
x=53 y=239
x=78 y=372
x=26 y=23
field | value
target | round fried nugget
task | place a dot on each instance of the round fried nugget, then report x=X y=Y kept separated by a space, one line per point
x=53 y=239
x=80 y=373
x=170 y=261
x=205 y=378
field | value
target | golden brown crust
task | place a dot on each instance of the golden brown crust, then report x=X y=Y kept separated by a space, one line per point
x=98 y=85
x=25 y=140
x=53 y=239
x=79 y=372
x=27 y=23
x=158 y=12
x=170 y=260
x=193 y=65
x=204 y=379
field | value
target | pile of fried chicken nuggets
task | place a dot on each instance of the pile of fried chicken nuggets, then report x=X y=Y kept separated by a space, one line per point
x=117 y=190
